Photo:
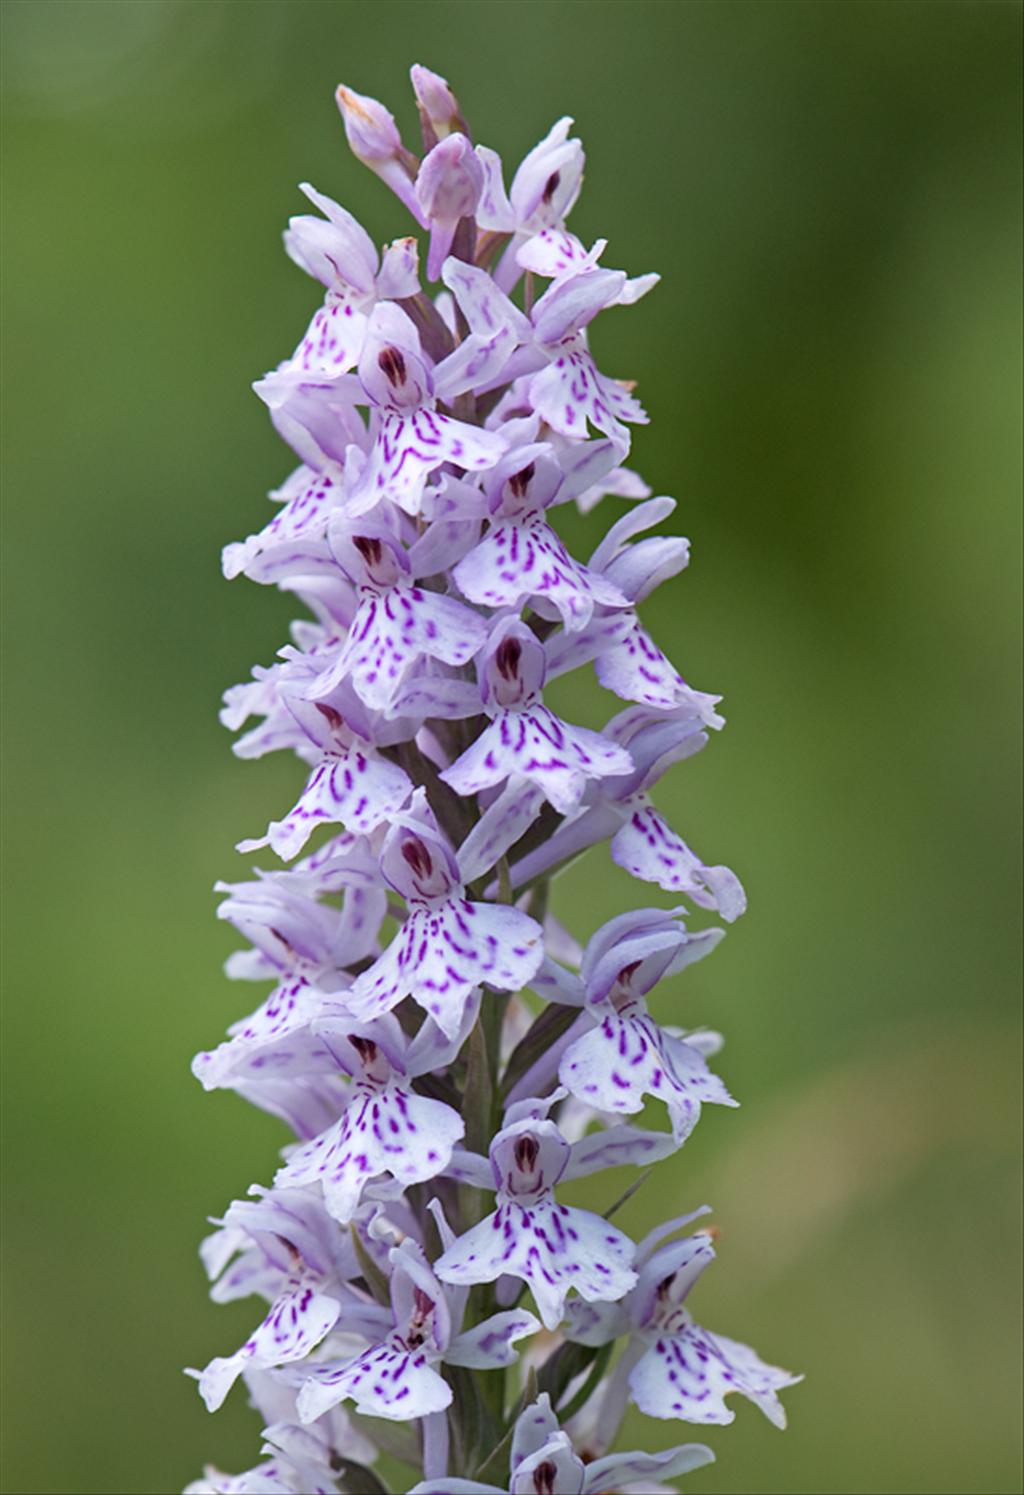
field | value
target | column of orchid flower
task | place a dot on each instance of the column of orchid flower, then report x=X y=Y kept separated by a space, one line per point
x=434 y=1036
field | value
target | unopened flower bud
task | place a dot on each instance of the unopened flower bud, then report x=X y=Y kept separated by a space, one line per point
x=440 y=114
x=447 y=189
x=374 y=139
x=371 y=129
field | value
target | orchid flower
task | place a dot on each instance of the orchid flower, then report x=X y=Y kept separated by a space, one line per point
x=397 y=1376
x=675 y=1368
x=542 y=1462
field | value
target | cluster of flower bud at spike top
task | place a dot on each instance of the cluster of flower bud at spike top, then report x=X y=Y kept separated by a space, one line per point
x=445 y=1053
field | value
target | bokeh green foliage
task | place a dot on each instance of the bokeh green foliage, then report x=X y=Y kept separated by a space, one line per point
x=831 y=191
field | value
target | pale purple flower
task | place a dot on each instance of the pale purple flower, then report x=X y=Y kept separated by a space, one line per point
x=307 y=498
x=448 y=187
x=386 y=1129
x=543 y=1462
x=396 y=623
x=396 y=1376
x=550 y=1246
x=686 y=1371
x=676 y=1369
x=298 y=1460
x=338 y=252
x=448 y=945
x=297 y=942
x=374 y=139
x=440 y=113
x=296 y=1464
x=525 y=737
x=620 y=807
x=296 y=1323
x=567 y=390
x=543 y=192
x=409 y=438
x=522 y=557
x=626 y=1056
x=351 y=785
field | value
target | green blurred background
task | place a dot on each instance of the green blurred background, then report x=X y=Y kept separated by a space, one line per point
x=832 y=193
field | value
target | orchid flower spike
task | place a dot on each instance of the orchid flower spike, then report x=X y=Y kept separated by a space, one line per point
x=446 y=1055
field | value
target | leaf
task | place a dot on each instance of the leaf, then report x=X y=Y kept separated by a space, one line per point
x=496 y=1463
x=479 y=1092
x=374 y=1277
x=453 y=814
x=438 y=1087
x=472 y=1423
x=397 y=1439
x=568 y=1361
x=589 y=1385
x=545 y=1030
x=357 y=1479
x=542 y=829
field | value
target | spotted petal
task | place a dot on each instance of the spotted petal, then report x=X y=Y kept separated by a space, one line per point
x=525 y=558
x=489 y=1345
x=442 y=952
x=551 y=1247
x=329 y=348
x=555 y=253
x=570 y=391
x=388 y=1131
x=496 y=328
x=290 y=1008
x=307 y=499
x=409 y=446
x=634 y=668
x=499 y=827
x=353 y=788
x=689 y=1373
x=536 y=744
x=390 y=631
x=296 y=1324
x=649 y=848
x=388 y=1380
x=277 y=1476
x=626 y=1058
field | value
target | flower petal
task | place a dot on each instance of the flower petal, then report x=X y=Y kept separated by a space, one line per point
x=570 y=391
x=443 y=952
x=354 y=789
x=389 y=1131
x=625 y=1058
x=390 y=631
x=649 y=849
x=550 y=1247
x=619 y=1469
x=688 y=1374
x=488 y=1345
x=296 y=1324
x=388 y=1380
x=537 y=745
x=518 y=560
